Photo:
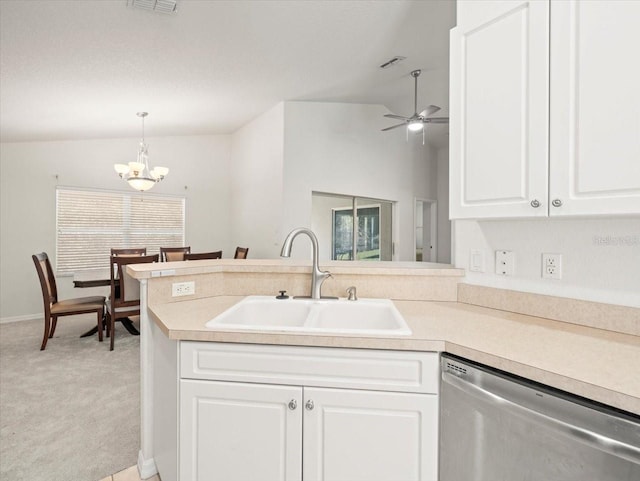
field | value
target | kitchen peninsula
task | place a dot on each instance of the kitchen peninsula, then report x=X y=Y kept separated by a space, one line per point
x=580 y=355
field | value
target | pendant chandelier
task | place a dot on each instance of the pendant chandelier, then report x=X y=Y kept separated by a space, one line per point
x=137 y=173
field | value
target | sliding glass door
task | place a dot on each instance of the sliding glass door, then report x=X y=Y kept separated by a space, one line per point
x=370 y=230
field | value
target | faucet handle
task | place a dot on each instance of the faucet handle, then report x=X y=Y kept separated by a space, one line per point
x=351 y=292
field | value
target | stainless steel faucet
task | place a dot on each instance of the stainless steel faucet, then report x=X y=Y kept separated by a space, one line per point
x=317 y=276
x=351 y=293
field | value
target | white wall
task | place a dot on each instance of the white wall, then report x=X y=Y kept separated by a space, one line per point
x=600 y=257
x=339 y=148
x=27 y=187
x=255 y=176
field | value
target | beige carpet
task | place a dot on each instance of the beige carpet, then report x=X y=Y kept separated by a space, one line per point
x=71 y=412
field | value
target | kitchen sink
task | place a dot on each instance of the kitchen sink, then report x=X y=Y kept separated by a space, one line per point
x=377 y=314
x=265 y=313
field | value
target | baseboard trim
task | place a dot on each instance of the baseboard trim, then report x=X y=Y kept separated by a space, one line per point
x=26 y=317
x=146 y=467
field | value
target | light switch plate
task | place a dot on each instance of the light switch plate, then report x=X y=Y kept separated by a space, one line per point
x=476 y=260
x=505 y=263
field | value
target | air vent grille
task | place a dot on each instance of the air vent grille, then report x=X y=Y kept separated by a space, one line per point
x=456 y=368
x=162 y=6
x=391 y=62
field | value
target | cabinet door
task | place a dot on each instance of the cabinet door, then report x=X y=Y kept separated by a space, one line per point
x=595 y=107
x=239 y=432
x=369 y=436
x=499 y=109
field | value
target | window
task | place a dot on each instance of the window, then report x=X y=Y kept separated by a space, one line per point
x=89 y=223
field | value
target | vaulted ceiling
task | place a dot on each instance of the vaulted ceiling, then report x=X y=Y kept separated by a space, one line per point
x=81 y=69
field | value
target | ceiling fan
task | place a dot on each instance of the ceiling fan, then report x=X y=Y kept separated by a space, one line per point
x=416 y=122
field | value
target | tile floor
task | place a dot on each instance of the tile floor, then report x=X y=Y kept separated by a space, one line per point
x=129 y=474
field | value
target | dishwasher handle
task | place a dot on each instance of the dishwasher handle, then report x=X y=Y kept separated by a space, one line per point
x=599 y=441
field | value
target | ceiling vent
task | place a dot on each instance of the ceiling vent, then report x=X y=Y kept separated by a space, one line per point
x=391 y=62
x=162 y=6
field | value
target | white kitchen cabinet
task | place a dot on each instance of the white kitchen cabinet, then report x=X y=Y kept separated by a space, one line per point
x=499 y=109
x=369 y=436
x=595 y=107
x=292 y=413
x=237 y=431
x=545 y=110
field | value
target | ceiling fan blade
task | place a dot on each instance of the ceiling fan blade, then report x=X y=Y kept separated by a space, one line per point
x=394 y=127
x=399 y=117
x=437 y=120
x=431 y=109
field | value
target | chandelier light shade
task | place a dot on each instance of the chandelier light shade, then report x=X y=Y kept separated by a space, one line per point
x=137 y=173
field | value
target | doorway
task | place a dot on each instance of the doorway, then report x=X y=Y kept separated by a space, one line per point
x=426 y=230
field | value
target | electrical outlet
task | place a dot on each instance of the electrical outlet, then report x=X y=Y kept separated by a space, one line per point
x=552 y=266
x=505 y=263
x=183 y=288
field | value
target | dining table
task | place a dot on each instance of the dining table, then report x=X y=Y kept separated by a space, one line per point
x=100 y=278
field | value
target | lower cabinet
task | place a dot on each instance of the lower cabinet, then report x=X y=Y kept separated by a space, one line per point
x=234 y=430
x=237 y=431
x=368 y=435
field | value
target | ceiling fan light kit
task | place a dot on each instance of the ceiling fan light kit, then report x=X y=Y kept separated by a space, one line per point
x=414 y=126
x=417 y=121
x=137 y=174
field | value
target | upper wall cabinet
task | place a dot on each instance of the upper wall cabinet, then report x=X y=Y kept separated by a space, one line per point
x=595 y=108
x=545 y=115
x=499 y=109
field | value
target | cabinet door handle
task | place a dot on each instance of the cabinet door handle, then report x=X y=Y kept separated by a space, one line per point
x=535 y=203
x=556 y=203
x=293 y=404
x=309 y=405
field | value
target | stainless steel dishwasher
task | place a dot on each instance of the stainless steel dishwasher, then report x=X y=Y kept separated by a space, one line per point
x=498 y=427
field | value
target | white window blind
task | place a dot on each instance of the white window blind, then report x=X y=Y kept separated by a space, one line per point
x=90 y=223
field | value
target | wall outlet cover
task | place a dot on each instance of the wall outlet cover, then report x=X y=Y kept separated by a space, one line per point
x=505 y=263
x=552 y=266
x=179 y=289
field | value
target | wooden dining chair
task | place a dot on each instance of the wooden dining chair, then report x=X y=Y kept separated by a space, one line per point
x=203 y=255
x=124 y=301
x=53 y=308
x=172 y=254
x=241 y=253
x=129 y=252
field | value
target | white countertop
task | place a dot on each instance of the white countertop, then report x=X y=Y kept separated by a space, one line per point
x=600 y=365
x=161 y=269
